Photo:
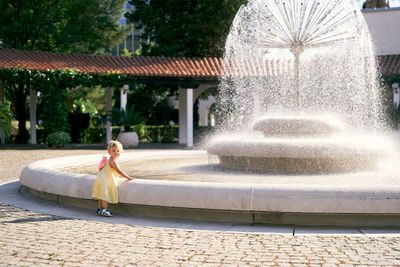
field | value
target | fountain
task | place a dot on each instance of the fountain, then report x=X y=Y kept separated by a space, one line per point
x=298 y=93
x=331 y=71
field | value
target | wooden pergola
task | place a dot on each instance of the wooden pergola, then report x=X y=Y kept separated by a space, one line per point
x=193 y=75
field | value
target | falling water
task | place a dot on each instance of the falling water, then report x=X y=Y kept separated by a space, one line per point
x=336 y=70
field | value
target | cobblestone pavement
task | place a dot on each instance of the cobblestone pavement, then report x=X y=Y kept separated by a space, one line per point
x=33 y=239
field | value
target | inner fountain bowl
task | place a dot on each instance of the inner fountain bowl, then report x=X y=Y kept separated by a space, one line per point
x=298 y=126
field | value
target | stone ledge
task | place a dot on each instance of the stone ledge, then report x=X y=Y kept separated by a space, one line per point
x=269 y=203
x=234 y=217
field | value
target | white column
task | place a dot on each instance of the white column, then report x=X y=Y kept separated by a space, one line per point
x=32 y=114
x=124 y=96
x=396 y=96
x=109 y=108
x=186 y=116
x=189 y=117
x=182 y=115
x=123 y=101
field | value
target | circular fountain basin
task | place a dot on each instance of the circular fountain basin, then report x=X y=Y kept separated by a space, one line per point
x=188 y=184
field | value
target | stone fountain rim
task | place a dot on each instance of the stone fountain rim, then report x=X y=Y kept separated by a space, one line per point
x=43 y=176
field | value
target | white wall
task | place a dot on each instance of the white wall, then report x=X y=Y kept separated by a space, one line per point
x=384 y=26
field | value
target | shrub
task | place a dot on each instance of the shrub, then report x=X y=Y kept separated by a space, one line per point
x=93 y=135
x=53 y=110
x=58 y=139
x=127 y=118
x=161 y=133
x=5 y=119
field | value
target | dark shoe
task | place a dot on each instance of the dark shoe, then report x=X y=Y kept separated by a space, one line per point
x=106 y=213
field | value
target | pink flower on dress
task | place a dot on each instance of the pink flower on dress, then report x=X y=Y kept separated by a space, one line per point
x=102 y=163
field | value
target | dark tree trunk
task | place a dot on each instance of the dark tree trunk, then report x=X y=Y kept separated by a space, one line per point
x=21 y=114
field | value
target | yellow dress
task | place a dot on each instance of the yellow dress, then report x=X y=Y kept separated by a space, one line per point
x=105 y=187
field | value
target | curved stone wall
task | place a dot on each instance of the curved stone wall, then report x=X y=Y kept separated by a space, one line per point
x=48 y=176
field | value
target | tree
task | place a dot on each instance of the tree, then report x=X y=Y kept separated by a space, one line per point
x=151 y=102
x=69 y=26
x=375 y=4
x=78 y=26
x=178 y=28
x=186 y=28
x=16 y=92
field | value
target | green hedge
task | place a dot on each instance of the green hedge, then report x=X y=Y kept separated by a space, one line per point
x=58 y=139
x=146 y=133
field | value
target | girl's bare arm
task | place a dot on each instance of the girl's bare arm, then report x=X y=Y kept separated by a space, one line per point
x=116 y=167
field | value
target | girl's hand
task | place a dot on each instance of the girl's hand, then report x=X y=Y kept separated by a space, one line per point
x=115 y=166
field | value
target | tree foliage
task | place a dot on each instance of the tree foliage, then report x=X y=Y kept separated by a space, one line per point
x=190 y=28
x=70 y=26
x=375 y=4
x=17 y=88
x=127 y=118
x=5 y=119
x=178 y=28
x=151 y=101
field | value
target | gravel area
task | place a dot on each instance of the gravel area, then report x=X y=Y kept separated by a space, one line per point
x=13 y=161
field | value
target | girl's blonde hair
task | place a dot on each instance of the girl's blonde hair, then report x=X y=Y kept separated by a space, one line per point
x=115 y=143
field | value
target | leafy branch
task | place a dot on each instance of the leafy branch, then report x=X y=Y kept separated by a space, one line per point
x=127 y=118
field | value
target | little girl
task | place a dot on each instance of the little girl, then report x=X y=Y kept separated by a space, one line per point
x=105 y=187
